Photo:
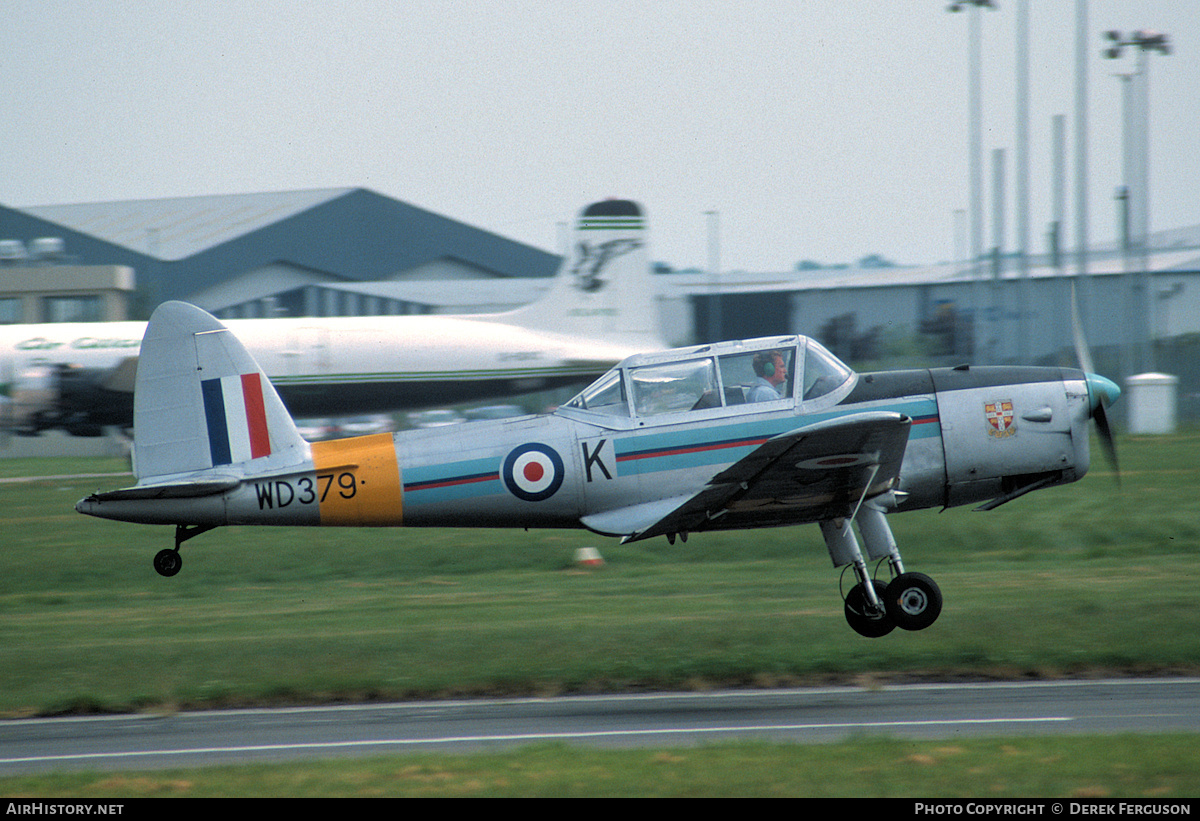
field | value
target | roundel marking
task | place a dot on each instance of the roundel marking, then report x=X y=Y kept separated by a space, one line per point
x=839 y=461
x=533 y=472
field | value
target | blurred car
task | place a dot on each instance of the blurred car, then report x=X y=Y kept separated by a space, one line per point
x=435 y=418
x=494 y=412
x=315 y=430
x=363 y=425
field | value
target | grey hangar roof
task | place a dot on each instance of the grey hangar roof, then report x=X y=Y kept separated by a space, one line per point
x=182 y=246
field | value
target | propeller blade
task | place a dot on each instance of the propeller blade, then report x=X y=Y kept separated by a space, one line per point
x=1081 y=347
x=1107 y=440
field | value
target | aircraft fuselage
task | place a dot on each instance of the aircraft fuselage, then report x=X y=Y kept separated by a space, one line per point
x=976 y=434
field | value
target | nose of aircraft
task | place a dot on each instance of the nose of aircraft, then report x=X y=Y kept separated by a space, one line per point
x=1102 y=390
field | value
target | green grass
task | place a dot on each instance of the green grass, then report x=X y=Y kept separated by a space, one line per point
x=1150 y=767
x=1089 y=579
x=1082 y=580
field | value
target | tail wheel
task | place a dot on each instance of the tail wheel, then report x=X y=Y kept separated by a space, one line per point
x=865 y=619
x=913 y=601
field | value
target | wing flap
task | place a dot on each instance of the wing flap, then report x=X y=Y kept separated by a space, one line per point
x=624 y=520
x=815 y=472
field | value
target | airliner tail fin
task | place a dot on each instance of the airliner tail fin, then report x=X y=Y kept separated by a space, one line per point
x=605 y=288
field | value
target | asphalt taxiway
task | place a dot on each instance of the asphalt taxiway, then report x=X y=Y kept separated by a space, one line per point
x=800 y=715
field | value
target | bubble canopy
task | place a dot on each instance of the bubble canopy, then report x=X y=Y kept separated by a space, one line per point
x=749 y=376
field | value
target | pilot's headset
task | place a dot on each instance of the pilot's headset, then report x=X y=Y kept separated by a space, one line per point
x=764 y=364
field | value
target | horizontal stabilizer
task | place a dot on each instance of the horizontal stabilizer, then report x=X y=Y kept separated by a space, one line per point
x=176 y=490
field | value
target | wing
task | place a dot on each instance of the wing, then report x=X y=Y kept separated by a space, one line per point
x=816 y=472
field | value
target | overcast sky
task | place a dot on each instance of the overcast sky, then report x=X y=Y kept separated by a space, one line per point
x=818 y=129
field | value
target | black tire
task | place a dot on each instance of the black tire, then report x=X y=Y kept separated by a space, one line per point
x=913 y=600
x=859 y=617
x=167 y=562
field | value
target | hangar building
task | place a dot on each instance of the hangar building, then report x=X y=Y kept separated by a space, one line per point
x=291 y=253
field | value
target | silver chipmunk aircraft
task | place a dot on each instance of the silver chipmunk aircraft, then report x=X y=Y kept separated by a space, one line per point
x=756 y=433
x=601 y=307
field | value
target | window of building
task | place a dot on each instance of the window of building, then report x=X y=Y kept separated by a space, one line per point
x=72 y=309
x=10 y=310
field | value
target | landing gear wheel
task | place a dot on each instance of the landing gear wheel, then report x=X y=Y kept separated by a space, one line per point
x=913 y=601
x=167 y=562
x=859 y=612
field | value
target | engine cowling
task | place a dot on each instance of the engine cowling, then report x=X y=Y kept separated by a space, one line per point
x=1009 y=429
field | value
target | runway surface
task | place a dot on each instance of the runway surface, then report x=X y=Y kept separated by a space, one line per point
x=805 y=715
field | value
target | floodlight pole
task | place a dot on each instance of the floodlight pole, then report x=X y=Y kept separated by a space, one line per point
x=1085 y=303
x=1025 y=300
x=975 y=160
x=1137 y=172
x=715 y=318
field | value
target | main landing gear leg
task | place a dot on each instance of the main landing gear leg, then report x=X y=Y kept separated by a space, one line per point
x=866 y=612
x=167 y=561
x=912 y=600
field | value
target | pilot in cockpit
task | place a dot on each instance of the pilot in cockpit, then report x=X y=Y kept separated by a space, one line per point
x=771 y=372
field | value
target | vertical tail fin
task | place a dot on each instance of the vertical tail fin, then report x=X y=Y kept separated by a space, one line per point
x=604 y=288
x=201 y=401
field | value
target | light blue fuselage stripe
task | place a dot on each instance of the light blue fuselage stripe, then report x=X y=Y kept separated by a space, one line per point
x=680 y=450
x=453 y=481
x=641 y=453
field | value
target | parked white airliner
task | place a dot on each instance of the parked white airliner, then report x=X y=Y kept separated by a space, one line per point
x=601 y=308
